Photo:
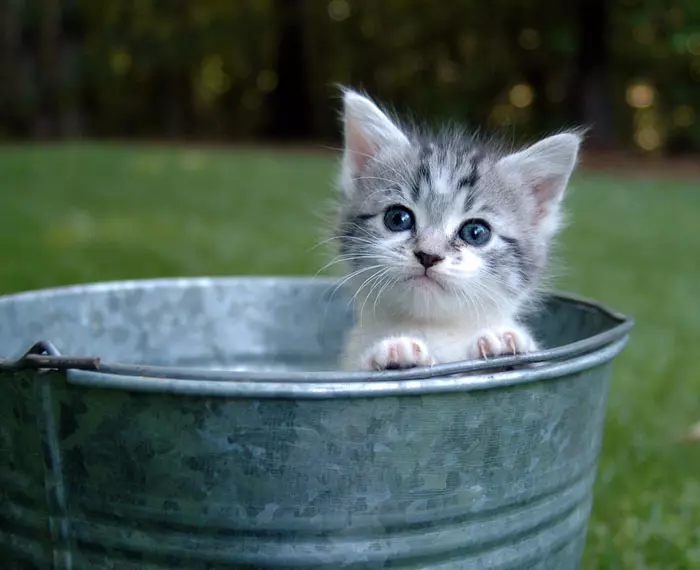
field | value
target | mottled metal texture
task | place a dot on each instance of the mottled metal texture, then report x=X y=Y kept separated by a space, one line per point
x=198 y=468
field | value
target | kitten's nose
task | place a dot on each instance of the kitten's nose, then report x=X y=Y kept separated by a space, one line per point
x=427 y=259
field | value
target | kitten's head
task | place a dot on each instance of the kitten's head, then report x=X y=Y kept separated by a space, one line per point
x=439 y=224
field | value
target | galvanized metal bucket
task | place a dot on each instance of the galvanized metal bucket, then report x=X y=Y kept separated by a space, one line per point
x=213 y=433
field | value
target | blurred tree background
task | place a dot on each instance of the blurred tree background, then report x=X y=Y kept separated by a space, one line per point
x=265 y=70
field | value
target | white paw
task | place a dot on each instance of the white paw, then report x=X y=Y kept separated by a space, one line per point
x=501 y=341
x=396 y=353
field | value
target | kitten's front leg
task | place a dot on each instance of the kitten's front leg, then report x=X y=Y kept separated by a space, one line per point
x=396 y=353
x=499 y=341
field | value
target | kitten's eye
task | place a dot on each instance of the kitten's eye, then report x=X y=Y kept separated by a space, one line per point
x=398 y=219
x=475 y=232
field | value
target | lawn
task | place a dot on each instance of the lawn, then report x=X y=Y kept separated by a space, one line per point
x=81 y=213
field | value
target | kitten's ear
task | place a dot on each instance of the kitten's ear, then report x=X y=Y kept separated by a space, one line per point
x=367 y=130
x=544 y=169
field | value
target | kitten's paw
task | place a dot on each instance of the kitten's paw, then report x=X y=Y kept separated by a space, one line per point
x=499 y=342
x=397 y=353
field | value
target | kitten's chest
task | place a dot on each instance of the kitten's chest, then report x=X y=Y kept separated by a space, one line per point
x=446 y=342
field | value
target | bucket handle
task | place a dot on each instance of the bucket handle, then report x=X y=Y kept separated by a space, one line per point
x=44 y=356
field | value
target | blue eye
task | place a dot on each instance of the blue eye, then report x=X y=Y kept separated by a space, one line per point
x=475 y=232
x=398 y=219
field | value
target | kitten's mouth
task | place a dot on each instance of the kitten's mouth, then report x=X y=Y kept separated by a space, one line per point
x=425 y=280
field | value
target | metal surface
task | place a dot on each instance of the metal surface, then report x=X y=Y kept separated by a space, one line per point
x=215 y=434
x=44 y=356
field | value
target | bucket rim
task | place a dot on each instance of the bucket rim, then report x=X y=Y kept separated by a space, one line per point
x=371 y=387
x=462 y=375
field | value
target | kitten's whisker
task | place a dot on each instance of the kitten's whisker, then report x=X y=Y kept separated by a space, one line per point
x=352 y=227
x=379 y=276
x=491 y=294
x=350 y=237
x=366 y=282
x=474 y=302
x=358 y=289
x=463 y=296
x=337 y=286
x=343 y=259
x=361 y=270
x=361 y=239
x=387 y=284
x=491 y=287
x=389 y=180
x=327 y=240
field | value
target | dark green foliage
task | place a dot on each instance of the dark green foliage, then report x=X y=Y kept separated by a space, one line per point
x=213 y=68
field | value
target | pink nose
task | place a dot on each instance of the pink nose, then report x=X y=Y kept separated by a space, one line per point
x=427 y=259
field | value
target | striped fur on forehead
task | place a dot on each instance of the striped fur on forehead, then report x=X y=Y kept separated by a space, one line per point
x=446 y=163
x=451 y=178
x=443 y=175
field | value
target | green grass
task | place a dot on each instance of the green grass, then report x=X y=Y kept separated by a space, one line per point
x=82 y=213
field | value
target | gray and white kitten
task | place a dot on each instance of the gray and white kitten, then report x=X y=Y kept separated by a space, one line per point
x=446 y=238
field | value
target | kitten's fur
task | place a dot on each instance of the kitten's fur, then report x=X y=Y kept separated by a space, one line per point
x=467 y=305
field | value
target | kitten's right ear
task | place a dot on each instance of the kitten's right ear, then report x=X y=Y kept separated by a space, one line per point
x=367 y=130
x=544 y=170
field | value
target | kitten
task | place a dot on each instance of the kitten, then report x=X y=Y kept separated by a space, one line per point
x=446 y=237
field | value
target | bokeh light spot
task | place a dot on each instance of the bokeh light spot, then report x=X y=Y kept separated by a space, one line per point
x=338 y=10
x=640 y=95
x=648 y=138
x=213 y=80
x=521 y=95
x=693 y=44
x=121 y=61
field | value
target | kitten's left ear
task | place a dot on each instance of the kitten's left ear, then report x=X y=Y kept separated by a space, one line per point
x=367 y=131
x=544 y=169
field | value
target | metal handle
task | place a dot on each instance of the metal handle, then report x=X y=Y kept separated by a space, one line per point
x=43 y=355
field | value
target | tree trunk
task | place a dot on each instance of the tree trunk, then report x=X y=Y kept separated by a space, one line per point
x=71 y=110
x=289 y=116
x=178 y=105
x=10 y=78
x=48 y=68
x=591 y=86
